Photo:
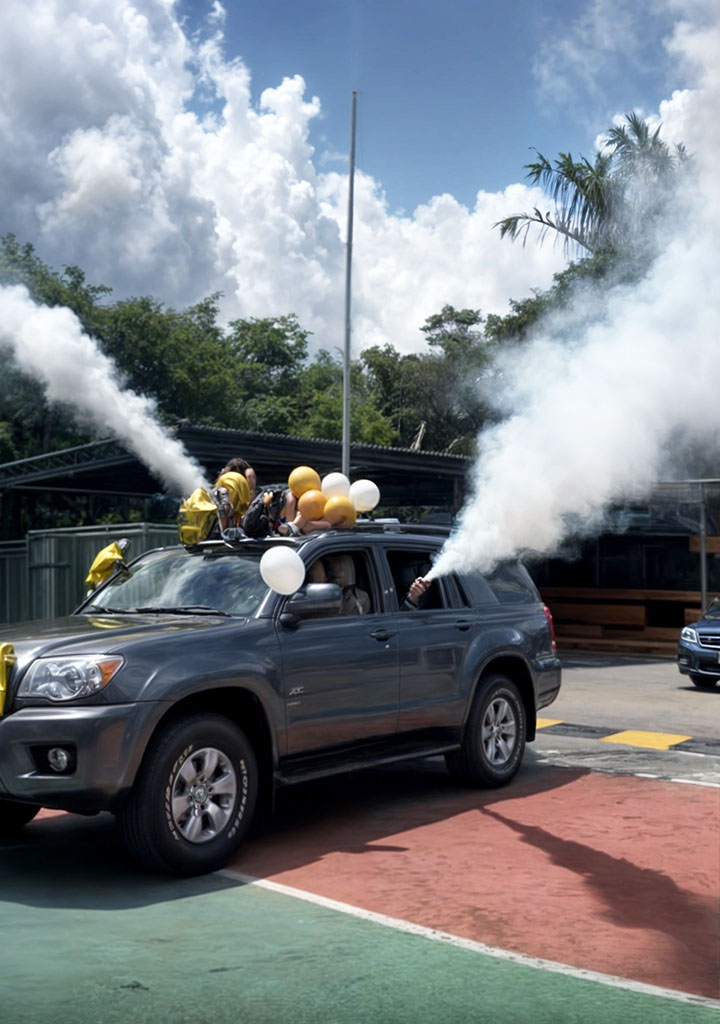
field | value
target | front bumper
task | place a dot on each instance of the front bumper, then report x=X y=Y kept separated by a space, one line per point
x=107 y=742
x=697 y=660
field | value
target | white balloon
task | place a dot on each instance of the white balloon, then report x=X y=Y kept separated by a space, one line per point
x=364 y=494
x=335 y=485
x=282 y=569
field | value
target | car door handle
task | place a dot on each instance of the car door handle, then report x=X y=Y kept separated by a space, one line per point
x=463 y=624
x=382 y=634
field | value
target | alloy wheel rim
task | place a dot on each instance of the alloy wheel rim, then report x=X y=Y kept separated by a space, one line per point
x=204 y=793
x=499 y=731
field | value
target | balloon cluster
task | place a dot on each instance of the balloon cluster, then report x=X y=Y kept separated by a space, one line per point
x=333 y=499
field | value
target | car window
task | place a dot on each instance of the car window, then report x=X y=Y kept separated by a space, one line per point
x=351 y=572
x=163 y=580
x=456 y=596
x=477 y=589
x=511 y=584
x=406 y=564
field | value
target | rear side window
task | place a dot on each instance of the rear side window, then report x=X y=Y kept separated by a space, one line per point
x=477 y=589
x=511 y=584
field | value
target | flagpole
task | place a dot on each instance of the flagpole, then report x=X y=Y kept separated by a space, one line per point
x=348 y=292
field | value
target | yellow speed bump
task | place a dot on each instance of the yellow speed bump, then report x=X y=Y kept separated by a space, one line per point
x=543 y=723
x=655 y=740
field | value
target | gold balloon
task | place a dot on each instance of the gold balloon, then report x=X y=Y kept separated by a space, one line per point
x=340 y=511
x=312 y=504
x=302 y=479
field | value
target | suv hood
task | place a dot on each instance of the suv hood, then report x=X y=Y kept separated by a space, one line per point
x=100 y=634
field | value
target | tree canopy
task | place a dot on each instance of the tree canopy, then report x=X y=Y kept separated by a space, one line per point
x=613 y=202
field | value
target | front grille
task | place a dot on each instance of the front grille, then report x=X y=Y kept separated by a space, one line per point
x=709 y=639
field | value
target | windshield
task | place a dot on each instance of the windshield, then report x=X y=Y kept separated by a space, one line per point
x=185 y=582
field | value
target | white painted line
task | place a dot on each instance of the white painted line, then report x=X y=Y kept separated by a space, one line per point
x=697 y=782
x=435 y=935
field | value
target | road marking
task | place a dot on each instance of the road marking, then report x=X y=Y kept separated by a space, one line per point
x=544 y=723
x=435 y=935
x=654 y=740
x=698 y=782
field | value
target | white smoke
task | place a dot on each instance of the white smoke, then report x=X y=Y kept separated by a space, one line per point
x=591 y=420
x=50 y=344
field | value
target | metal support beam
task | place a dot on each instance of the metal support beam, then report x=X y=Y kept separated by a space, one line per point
x=348 y=301
x=703 y=548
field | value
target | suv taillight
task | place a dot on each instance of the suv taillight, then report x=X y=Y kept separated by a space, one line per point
x=551 y=624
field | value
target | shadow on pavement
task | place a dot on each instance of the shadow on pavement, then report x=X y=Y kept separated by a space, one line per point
x=74 y=862
x=640 y=898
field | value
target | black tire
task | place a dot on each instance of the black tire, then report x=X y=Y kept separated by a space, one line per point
x=178 y=820
x=703 y=682
x=14 y=816
x=494 y=737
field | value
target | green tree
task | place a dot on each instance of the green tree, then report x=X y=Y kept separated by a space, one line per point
x=610 y=202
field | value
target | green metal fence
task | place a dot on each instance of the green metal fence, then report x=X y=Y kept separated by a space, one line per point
x=43 y=576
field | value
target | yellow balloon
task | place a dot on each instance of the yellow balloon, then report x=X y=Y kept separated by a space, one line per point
x=312 y=504
x=340 y=511
x=302 y=479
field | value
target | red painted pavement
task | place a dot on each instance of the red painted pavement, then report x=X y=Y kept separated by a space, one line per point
x=609 y=873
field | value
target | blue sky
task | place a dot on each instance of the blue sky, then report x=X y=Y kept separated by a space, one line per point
x=174 y=148
x=451 y=97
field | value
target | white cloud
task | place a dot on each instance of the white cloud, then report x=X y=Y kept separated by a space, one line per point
x=140 y=154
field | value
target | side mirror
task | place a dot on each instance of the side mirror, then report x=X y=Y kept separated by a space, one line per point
x=312 y=601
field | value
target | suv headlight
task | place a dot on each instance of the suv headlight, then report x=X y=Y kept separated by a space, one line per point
x=689 y=634
x=68 y=678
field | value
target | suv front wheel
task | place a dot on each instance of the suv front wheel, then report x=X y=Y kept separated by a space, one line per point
x=194 y=797
x=13 y=816
x=494 y=736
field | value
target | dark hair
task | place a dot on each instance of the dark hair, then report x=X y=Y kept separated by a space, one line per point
x=235 y=466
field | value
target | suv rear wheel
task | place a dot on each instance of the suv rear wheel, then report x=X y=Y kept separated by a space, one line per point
x=494 y=737
x=194 y=797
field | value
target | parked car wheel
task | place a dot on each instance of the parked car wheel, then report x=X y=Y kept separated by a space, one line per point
x=703 y=682
x=494 y=737
x=194 y=798
x=13 y=816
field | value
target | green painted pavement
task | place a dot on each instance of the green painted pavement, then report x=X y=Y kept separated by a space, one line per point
x=87 y=948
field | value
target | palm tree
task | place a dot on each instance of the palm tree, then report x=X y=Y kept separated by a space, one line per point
x=609 y=203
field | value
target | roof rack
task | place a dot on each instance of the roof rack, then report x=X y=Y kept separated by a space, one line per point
x=395 y=526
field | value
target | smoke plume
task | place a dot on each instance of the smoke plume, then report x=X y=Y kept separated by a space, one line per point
x=592 y=420
x=50 y=344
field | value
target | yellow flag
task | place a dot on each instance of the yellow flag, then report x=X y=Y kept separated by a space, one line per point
x=7 y=660
x=104 y=564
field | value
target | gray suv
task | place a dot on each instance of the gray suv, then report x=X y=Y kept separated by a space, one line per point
x=184 y=689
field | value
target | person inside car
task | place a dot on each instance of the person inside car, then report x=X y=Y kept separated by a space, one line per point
x=340 y=569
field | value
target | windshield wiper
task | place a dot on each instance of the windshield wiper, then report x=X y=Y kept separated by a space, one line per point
x=183 y=609
x=107 y=610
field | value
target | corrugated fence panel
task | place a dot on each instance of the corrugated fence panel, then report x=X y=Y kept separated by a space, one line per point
x=44 y=576
x=13 y=581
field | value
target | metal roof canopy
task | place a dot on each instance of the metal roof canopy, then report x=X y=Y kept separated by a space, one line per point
x=404 y=476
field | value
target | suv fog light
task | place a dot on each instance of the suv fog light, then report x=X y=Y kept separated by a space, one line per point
x=58 y=759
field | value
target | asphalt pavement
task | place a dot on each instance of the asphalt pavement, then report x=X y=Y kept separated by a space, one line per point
x=587 y=891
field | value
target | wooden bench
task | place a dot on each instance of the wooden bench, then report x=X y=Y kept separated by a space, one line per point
x=599 y=614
